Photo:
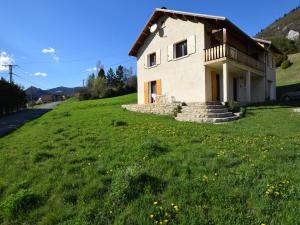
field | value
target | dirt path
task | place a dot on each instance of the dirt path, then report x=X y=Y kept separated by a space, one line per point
x=13 y=121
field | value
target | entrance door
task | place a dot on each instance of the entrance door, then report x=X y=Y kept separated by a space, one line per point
x=153 y=91
x=235 y=89
x=215 y=86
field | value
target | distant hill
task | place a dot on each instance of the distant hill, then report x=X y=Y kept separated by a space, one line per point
x=284 y=32
x=282 y=26
x=36 y=93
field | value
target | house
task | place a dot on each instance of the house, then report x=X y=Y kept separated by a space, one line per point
x=188 y=57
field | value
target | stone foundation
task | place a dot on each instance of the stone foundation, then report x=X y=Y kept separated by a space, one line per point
x=158 y=109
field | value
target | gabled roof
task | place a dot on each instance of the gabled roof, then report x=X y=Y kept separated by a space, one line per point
x=269 y=43
x=219 y=20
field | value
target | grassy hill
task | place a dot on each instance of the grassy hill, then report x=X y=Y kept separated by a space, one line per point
x=289 y=79
x=93 y=163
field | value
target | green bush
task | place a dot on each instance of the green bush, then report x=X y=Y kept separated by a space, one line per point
x=233 y=106
x=20 y=203
x=118 y=123
x=243 y=111
x=286 y=64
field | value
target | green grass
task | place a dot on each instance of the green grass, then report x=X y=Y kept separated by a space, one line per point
x=290 y=75
x=91 y=162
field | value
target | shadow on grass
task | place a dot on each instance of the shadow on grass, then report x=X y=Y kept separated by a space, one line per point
x=273 y=104
x=280 y=91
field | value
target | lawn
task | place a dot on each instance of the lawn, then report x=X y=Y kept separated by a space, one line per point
x=91 y=162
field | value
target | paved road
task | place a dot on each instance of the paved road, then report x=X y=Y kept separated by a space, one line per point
x=13 y=121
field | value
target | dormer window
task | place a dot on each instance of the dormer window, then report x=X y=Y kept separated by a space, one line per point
x=181 y=49
x=152 y=59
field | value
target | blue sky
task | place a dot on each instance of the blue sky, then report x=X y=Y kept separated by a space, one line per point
x=55 y=42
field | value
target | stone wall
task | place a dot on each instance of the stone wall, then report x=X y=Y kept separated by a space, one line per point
x=158 y=109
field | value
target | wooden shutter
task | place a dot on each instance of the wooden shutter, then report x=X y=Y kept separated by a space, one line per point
x=146 y=92
x=170 y=52
x=158 y=57
x=191 y=44
x=146 y=61
x=158 y=87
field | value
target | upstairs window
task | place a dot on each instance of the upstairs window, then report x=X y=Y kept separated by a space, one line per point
x=181 y=49
x=152 y=59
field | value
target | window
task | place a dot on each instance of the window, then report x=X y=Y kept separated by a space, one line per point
x=181 y=49
x=152 y=59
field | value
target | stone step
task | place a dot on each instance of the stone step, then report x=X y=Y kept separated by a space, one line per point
x=207 y=120
x=204 y=107
x=203 y=103
x=197 y=110
x=205 y=115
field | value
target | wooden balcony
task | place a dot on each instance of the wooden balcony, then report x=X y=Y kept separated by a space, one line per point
x=228 y=51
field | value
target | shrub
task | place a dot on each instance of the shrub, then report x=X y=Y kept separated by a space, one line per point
x=286 y=64
x=233 y=106
x=177 y=110
x=243 y=112
x=118 y=123
x=20 y=203
x=153 y=147
x=83 y=94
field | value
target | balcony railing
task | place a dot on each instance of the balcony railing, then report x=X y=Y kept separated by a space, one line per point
x=225 y=50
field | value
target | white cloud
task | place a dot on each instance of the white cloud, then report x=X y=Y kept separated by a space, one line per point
x=91 y=69
x=40 y=74
x=5 y=59
x=48 y=50
x=52 y=52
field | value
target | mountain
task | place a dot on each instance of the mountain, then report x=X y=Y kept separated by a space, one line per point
x=282 y=27
x=284 y=32
x=36 y=93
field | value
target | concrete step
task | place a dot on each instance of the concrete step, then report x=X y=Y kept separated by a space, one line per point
x=197 y=110
x=203 y=103
x=207 y=120
x=204 y=107
x=205 y=115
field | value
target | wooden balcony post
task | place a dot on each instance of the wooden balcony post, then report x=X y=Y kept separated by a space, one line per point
x=224 y=35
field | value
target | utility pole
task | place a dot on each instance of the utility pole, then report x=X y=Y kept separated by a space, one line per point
x=82 y=83
x=10 y=72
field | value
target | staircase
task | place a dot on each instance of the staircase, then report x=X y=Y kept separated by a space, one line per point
x=208 y=112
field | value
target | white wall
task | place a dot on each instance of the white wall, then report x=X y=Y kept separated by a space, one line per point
x=182 y=79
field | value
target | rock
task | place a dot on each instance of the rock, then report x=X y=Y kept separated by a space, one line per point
x=292 y=35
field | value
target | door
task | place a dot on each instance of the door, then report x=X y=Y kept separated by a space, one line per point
x=215 y=86
x=153 y=91
x=235 y=89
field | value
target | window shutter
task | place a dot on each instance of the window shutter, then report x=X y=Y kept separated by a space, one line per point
x=146 y=61
x=158 y=87
x=191 y=44
x=158 y=57
x=170 y=52
x=146 y=93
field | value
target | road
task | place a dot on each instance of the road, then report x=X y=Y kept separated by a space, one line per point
x=13 y=121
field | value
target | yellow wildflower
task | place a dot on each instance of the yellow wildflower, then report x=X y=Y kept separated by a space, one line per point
x=166 y=221
x=154 y=203
x=151 y=216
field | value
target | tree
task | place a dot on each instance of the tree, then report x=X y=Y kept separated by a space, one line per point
x=90 y=81
x=101 y=73
x=99 y=89
x=110 y=76
x=132 y=83
x=120 y=74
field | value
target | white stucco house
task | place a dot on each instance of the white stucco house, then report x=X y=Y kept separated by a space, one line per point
x=188 y=57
